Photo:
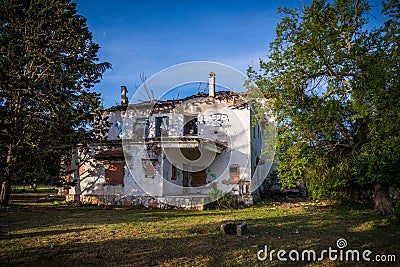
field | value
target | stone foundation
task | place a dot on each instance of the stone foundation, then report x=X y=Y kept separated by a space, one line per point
x=243 y=200
x=165 y=202
x=170 y=202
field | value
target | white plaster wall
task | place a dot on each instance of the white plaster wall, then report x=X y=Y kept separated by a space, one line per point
x=152 y=123
x=172 y=187
x=217 y=122
x=176 y=124
x=75 y=190
x=92 y=181
x=153 y=186
x=116 y=125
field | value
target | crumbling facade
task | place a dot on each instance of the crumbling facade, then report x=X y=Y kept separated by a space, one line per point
x=171 y=152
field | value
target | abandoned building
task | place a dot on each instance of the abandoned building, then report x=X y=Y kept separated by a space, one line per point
x=171 y=152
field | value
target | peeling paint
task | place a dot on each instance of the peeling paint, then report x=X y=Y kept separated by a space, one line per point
x=161 y=140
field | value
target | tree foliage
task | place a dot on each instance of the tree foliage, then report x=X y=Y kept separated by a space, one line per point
x=48 y=65
x=334 y=85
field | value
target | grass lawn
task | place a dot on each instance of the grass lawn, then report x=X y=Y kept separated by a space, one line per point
x=46 y=235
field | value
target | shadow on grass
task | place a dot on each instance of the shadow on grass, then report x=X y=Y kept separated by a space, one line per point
x=44 y=233
x=50 y=216
x=199 y=243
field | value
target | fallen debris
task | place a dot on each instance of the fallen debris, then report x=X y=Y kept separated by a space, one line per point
x=229 y=228
x=242 y=229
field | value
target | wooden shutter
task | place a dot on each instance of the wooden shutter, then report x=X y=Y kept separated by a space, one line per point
x=199 y=178
x=174 y=173
x=114 y=173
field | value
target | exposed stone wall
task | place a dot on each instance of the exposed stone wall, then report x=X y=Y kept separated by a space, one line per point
x=185 y=202
x=244 y=199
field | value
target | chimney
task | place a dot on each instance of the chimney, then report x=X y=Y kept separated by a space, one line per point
x=124 y=98
x=211 y=84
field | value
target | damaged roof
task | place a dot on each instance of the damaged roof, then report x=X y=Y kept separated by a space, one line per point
x=233 y=100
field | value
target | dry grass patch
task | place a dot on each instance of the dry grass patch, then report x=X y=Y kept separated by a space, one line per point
x=90 y=236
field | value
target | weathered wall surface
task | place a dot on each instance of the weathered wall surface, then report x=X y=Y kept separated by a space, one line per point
x=216 y=122
x=116 y=125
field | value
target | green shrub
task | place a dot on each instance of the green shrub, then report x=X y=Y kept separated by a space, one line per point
x=221 y=199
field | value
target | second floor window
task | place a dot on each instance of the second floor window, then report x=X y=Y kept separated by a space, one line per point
x=191 y=126
x=161 y=126
x=140 y=128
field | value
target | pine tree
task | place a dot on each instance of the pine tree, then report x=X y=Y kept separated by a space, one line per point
x=48 y=66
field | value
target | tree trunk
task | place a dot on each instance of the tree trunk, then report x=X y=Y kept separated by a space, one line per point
x=6 y=184
x=382 y=199
x=5 y=192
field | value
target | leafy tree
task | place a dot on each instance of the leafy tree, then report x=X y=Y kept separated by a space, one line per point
x=334 y=85
x=48 y=65
x=377 y=100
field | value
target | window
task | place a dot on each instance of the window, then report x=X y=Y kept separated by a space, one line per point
x=199 y=178
x=234 y=173
x=148 y=168
x=174 y=172
x=191 y=125
x=114 y=173
x=161 y=126
x=140 y=128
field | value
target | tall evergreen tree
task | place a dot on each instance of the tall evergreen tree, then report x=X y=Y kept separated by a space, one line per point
x=48 y=66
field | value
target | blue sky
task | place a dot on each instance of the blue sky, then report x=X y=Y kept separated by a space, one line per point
x=149 y=36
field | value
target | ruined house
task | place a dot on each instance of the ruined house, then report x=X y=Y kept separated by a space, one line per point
x=172 y=152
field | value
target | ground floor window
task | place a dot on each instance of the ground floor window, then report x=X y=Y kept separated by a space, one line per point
x=199 y=178
x=148 y=168
x=114 y=173
x=174 y=173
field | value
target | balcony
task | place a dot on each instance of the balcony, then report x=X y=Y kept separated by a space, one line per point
x=189 y=142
